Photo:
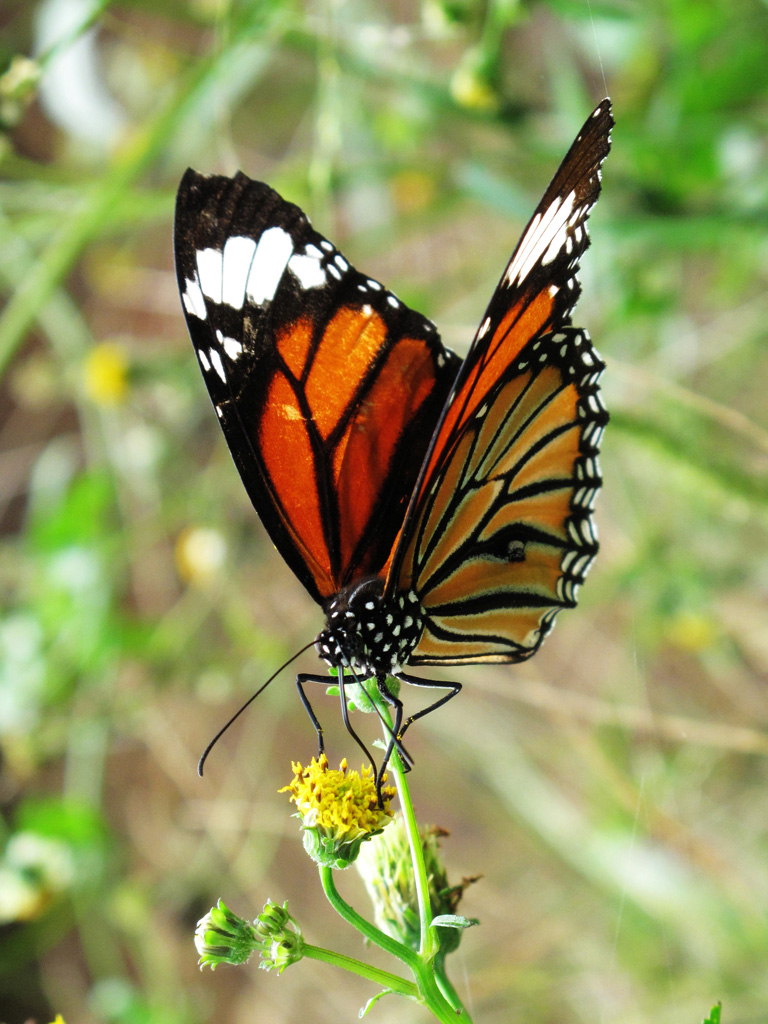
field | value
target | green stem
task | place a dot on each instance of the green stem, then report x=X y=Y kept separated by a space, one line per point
x=374 y=974
x=444 y=983
x=433 y=988
x=427 y=988
x=370 y=931
x=428 y=945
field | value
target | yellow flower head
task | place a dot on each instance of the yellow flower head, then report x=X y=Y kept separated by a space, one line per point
x=339 y=810
x=106 y=374
x=200 y=554
x=472 y=82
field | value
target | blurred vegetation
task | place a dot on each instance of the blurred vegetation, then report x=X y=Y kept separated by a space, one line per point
x=612 y=792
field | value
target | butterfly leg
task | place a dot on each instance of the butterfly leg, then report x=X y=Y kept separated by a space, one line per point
x=351 y=731
x=395 y=734
x=453 y=689
x=301 y=679
x=304 y=678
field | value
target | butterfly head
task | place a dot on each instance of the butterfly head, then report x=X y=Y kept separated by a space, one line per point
x=368 y=631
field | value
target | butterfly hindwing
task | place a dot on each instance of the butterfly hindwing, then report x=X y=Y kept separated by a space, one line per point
x=499 y=533
x=506 y=536
x=326 y=385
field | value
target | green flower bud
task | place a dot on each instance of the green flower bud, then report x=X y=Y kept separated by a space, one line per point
x=222 y=937
x=387 y=870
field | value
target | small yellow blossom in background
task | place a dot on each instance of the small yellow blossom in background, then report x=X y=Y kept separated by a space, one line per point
x=200 y=553
x=106 y=374
x=59 y=1019
x=339 y=809
x=34 y=870
x=691 y=631
x=17 y=88
x=413 y=190
x=470 y=83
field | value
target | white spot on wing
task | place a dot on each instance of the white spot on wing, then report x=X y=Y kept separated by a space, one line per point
x=543 y=239
x=308 y=270
x=238 y=256
x=484 y=328
x=269 y=262
x=209 y=270
x=203 y=359
x=193 y=300
x=231 y=346
x=218 y=365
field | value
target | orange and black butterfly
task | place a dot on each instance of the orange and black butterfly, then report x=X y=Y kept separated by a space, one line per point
x=440 y=511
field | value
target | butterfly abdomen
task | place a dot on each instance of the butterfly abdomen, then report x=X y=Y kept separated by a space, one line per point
x=369 y=632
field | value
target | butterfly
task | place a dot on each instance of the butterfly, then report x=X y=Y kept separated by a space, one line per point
x=439 y=510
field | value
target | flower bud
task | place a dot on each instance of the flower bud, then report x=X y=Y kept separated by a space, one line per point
x=224 y=938
x=387 y=870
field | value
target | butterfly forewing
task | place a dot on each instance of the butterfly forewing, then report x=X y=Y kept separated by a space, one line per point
x=499 y=532
x=538 y=288
x=327 y=387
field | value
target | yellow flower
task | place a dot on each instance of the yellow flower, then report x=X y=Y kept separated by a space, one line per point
x=691 y=631
x=471 y=83
x=106 y=374
x=339 y=810
x=413 y=190
x=200 y=552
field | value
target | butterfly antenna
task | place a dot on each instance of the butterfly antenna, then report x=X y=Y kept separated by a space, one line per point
x=234 y=718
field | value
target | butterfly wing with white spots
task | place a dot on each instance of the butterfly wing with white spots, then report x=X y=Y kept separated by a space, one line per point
x=499 y=533
x=327 y=387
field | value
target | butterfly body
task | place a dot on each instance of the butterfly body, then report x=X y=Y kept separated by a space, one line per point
x=369 y=631
x=439 y=510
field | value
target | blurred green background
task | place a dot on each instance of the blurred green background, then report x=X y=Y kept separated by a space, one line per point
x=613 y=791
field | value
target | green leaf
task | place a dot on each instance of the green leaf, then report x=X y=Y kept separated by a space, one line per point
x=714 y=1015
x=374 y=999
x=453 y=921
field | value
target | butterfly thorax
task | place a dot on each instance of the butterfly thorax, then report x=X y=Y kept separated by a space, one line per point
x=368 y=631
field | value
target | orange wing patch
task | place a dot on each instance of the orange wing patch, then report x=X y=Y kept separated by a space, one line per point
x=523 y=321
x=339 y=418
x=351 y=344
x=289 y=460
x=364 y=455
